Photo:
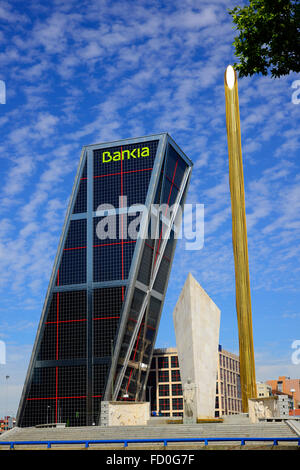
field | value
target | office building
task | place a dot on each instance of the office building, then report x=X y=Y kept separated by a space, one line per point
x=285 y=404
x=263 y=390
x=164 y=388
x=102 y=309
x=288 y=386
x=6 y=423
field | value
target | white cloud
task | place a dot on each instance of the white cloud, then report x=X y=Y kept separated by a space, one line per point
x=10 y=15
x=16 y=178
x=270 y=368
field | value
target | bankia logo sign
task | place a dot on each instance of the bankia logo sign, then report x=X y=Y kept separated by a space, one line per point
x=108 y=156
x=128 y=167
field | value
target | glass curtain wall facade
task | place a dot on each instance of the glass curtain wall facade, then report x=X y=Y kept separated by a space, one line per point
x=102 y=309
x=164 y=387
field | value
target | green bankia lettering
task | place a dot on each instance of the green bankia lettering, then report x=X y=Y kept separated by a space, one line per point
x=117 y=156
x=126 y=154
x=145 y=152
x=106 y=157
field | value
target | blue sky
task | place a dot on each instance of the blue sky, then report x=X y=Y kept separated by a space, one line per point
x=80 y=72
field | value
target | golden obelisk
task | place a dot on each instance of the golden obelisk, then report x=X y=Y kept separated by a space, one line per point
x=239 y=239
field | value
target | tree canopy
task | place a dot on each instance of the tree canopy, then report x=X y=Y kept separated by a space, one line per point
x=269 y=40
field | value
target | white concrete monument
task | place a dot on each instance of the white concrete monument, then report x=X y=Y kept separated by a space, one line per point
x=123 y=413
x=263 y=408
x=197 y=324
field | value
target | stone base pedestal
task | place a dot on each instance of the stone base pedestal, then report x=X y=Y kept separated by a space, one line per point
x=263 y=408
x=119 y=413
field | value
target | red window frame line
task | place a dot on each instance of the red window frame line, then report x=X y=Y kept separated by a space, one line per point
x=152 y=248
x=78 y=320
x=123 y=172
x=75 y=248
x=56 y=392
x=115 y=243
x=106 y=318
x=147 y=326
x=118 y=173
x=175 y=169
x=62 y=398
x=64 y=321
x=174 y=184
x=102 y=244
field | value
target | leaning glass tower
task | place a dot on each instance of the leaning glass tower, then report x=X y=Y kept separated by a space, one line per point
x=102 y=309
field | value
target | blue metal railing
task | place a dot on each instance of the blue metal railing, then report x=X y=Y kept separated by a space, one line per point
x=125 y=442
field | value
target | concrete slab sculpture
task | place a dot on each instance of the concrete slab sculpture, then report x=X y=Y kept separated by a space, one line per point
x=197 y=323
x=118 y=413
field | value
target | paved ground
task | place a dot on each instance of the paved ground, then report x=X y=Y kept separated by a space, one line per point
x=177 y=431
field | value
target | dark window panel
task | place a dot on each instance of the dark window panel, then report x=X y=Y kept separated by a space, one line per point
x=107 y=301
x=163 y=376
x=100 y=375
x=161 y=278
x=135 y=187
x=72 y=268
x=70 y=305
x=107 y=190
x=164 y=404
x=163 y=362
x=176 y=389
x=43 y=384
x=104 y=335
x=76 y=237
x=175 y=374
x=71 y=381
x=146 y=264
x=47 y=351
x=80 y=205
x=107 y=304
x=72 y=339
x=174 y=361
x=39 y=412
x=164 y=390
x=72 y=411
x=177 y=403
